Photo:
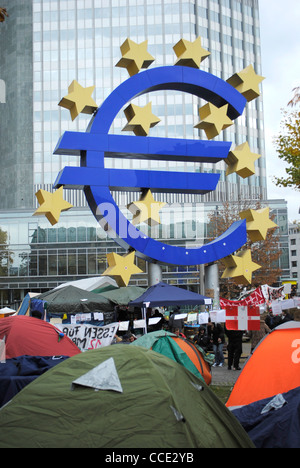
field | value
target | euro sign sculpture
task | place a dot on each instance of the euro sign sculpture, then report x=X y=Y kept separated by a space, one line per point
x=97 y=181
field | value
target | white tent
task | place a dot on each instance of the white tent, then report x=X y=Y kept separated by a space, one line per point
x=7 y=311
x=90 y=284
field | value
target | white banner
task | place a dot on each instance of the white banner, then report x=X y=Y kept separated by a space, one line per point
x=88 y=336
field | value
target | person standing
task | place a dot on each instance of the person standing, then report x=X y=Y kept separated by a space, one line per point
x=235 y=348
x=257 y=336
x=217 y=339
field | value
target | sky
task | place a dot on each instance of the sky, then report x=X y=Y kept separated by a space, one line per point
x=280 y=48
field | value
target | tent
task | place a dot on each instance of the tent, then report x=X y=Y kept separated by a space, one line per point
x=90 y=284
x=17 y=373
x=24 y=308
x=122 y=296
x=273 y=422
x=143 y=399
x=272 y=369
x=33 y=337
x=71 y=301
x=178 y=349
x=163 y=294
x=6 y=312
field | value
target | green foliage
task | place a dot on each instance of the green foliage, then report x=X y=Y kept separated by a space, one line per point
x=288 y=149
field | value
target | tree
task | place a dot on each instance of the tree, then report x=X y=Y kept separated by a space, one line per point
x=266 y=253
x=288 y=145
x=6 y=258
x=3 y=14
x=296 y=99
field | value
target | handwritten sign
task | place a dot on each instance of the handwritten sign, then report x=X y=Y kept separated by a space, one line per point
x=88 y=336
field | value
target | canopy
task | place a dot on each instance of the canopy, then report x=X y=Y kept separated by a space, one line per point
x=122 y=296
x=33 y=337
x=163 y=294
x=144 y=399
x=273 y=367
x=178 y=349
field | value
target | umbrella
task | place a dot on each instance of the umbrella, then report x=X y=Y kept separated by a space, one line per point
x=7 y=311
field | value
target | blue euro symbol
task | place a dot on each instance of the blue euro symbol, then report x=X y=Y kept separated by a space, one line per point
x=97 y=181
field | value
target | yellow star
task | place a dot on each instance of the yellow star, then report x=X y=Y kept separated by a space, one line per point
x=51 y=205
x=258 y=223
x=79 y=100
x=134 y=56
x=190 y=54
x=240 y=267
x=247 y=83
x=122 y=268
x=213 y=119
x=140 y=119
x=242 y=161
x=146 y=210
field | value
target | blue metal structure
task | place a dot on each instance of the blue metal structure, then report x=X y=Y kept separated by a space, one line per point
x=97 y=181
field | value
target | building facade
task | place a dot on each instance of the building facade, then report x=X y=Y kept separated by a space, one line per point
x=45 y=45
x=294 y=245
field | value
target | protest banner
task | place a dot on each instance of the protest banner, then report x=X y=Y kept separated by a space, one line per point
x=255 y=298
x=89 y=336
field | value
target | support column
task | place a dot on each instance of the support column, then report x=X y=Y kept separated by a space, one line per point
x=154 y=274
x=212 y=281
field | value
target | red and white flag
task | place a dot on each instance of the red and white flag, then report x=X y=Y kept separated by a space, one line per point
x=242 y=318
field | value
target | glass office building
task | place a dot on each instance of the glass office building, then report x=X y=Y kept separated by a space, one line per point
x=45 y=45
x=81 y=40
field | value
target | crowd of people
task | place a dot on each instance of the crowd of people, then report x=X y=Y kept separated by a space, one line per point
x=212 y=337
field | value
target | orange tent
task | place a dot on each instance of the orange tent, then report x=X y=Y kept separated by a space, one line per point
x=273 y=368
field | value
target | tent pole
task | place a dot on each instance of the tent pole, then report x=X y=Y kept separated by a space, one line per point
x=145 y=317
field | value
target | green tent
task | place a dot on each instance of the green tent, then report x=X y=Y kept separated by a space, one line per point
x=122 y=296
x=143 y=400
x=71 y=300
x=180 y=350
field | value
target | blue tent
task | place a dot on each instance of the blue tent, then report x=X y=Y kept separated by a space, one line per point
x=273 y=422
x=163 y=294
x=19 y=372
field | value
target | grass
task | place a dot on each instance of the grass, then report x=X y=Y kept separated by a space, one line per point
x=222 y=391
